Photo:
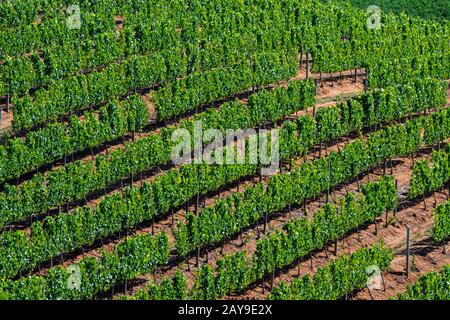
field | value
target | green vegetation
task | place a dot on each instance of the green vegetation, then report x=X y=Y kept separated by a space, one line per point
x=433 y=10
x=431 y=286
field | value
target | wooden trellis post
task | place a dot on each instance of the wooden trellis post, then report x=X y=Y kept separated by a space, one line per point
x=307 y=65
x=407 y=249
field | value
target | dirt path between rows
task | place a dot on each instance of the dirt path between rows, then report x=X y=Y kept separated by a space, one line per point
x=346 y=90
x=228 y=247
x=165 y=223
x=428 y=256
x=326 y=96
x=249 y=238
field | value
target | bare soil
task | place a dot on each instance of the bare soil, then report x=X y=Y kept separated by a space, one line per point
x=161 y=225
x=248 y=241
x=427 y=256
x=139 y=178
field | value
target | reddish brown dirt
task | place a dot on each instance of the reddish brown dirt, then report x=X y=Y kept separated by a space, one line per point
x=151 y=106
x=347 y=88
x=165 y=224
x=39 y=18
x=6 y=121
x=341 y=88
x=249 y=238
x=110 y=147
x=426 y=257
x=119 y=23
x=415 y=216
